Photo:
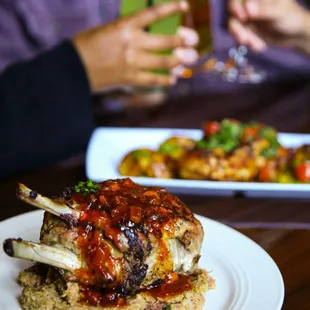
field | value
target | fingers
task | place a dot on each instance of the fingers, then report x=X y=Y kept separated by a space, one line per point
x=154 y=13
x=238 y=31
x=183 y=56
x=180 y=57
x=159 y=42
x=186 y=56
x=152 y=79
x=185 y=37
x=245 y=36
x=189 y=36
x=260 y=9
x=149 y=61
x=253 y=9
x=237 y=8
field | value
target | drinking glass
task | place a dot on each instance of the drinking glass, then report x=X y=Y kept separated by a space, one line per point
x=235 y=68
x=165 y=26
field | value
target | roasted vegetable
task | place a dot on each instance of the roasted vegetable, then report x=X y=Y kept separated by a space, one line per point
x=228 y=151
x=301 y=163
x=176 y=147
x=147 y=163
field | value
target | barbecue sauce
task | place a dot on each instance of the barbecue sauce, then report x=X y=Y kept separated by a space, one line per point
x=94 y=297
x=117 y=207
x=174 y=284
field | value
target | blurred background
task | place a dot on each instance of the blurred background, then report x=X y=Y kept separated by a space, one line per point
x=30 y=27
x=280 y=96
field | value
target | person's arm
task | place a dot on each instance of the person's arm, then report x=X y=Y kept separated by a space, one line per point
x=45 y=111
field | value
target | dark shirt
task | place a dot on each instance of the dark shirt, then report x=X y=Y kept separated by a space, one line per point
x=45 y=111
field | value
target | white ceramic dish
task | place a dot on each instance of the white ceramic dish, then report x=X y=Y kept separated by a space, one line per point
x=107 y=147
x=246 y=276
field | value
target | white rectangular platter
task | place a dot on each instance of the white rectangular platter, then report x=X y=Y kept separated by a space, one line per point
x=108 y=145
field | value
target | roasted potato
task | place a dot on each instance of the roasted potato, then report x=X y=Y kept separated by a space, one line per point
x=147 y=163
x=175 y=147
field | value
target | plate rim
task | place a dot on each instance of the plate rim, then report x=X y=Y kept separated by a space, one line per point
x=253 y=244
x=204 y=220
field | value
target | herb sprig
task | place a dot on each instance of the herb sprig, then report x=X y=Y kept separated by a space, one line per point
x=87 y=187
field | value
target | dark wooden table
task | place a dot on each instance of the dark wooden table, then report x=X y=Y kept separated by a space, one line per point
x=280 y=226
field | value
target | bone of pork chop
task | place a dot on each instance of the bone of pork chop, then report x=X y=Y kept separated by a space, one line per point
x=41 y=253
x=33 y=198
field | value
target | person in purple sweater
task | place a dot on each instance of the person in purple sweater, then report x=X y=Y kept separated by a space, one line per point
x=46 y=85
x=30 y=27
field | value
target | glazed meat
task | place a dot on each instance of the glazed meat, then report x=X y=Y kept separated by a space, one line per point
x=115 y=235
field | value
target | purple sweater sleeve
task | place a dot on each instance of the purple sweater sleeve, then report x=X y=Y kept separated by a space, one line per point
x=28 y=27
x=14 y=45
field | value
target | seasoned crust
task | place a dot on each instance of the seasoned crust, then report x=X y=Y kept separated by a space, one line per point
x=144 y=232
x=48 y=292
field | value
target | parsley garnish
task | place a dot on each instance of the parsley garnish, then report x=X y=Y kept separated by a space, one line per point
x=209 y=144
x=86 y=187
x=214 y=142
x=230 y=130
x=166 y=307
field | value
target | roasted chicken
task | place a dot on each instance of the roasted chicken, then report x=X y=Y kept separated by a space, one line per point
x=114 y=237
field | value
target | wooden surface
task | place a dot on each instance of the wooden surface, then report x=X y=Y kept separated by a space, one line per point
x=280 y=226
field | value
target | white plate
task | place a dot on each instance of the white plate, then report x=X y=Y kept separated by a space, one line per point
x=107 y=147
x=246 y=276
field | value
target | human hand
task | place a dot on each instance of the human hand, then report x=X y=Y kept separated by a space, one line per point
x=257 y=23
x=122 y=53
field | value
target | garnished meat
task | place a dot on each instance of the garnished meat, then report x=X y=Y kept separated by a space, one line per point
x=115 y=239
